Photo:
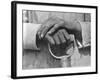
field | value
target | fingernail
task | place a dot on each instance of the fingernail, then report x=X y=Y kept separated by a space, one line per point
x=41 y=35
x=49 y=32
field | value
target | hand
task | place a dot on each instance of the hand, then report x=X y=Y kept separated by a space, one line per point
x=53 y=24
x=61 y=36
x=60 y=43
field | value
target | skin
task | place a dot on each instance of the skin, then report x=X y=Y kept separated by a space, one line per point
x=56 y=31
x=59 y=37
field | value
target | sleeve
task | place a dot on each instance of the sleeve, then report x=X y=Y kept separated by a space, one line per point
x=29 y=35
x=86 y=34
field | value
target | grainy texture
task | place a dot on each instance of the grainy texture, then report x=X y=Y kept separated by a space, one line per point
x=43 y=59
x=32 y=59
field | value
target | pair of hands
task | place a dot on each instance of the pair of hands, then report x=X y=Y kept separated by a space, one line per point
x=56 y=31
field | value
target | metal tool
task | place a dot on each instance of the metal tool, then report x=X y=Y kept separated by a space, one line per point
x=69 y=51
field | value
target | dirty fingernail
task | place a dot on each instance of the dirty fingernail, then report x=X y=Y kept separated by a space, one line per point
x=49 y=32
x=41 y=35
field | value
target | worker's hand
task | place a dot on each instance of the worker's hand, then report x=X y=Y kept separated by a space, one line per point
x=53 y=24
x=61 y=36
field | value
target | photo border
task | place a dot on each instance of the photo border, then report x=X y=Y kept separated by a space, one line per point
x=14 y=38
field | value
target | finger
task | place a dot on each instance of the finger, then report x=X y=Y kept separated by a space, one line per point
x=66 y=35
x=46 y=28
x=40 y=30
x=55 y=27
x=61 y=36
x=50 y=39
x=56 y=38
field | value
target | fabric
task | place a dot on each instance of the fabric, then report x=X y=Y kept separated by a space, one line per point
x=29 y=35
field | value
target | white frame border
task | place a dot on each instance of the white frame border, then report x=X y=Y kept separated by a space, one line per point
x=36 y=72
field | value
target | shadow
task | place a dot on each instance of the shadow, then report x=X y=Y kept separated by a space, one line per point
x=85 y=50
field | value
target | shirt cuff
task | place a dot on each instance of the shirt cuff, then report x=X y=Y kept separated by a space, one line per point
x=29 y=35
x=86 y=34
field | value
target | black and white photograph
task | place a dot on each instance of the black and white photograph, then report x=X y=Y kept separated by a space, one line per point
x=53 y=39
x=66 y=40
